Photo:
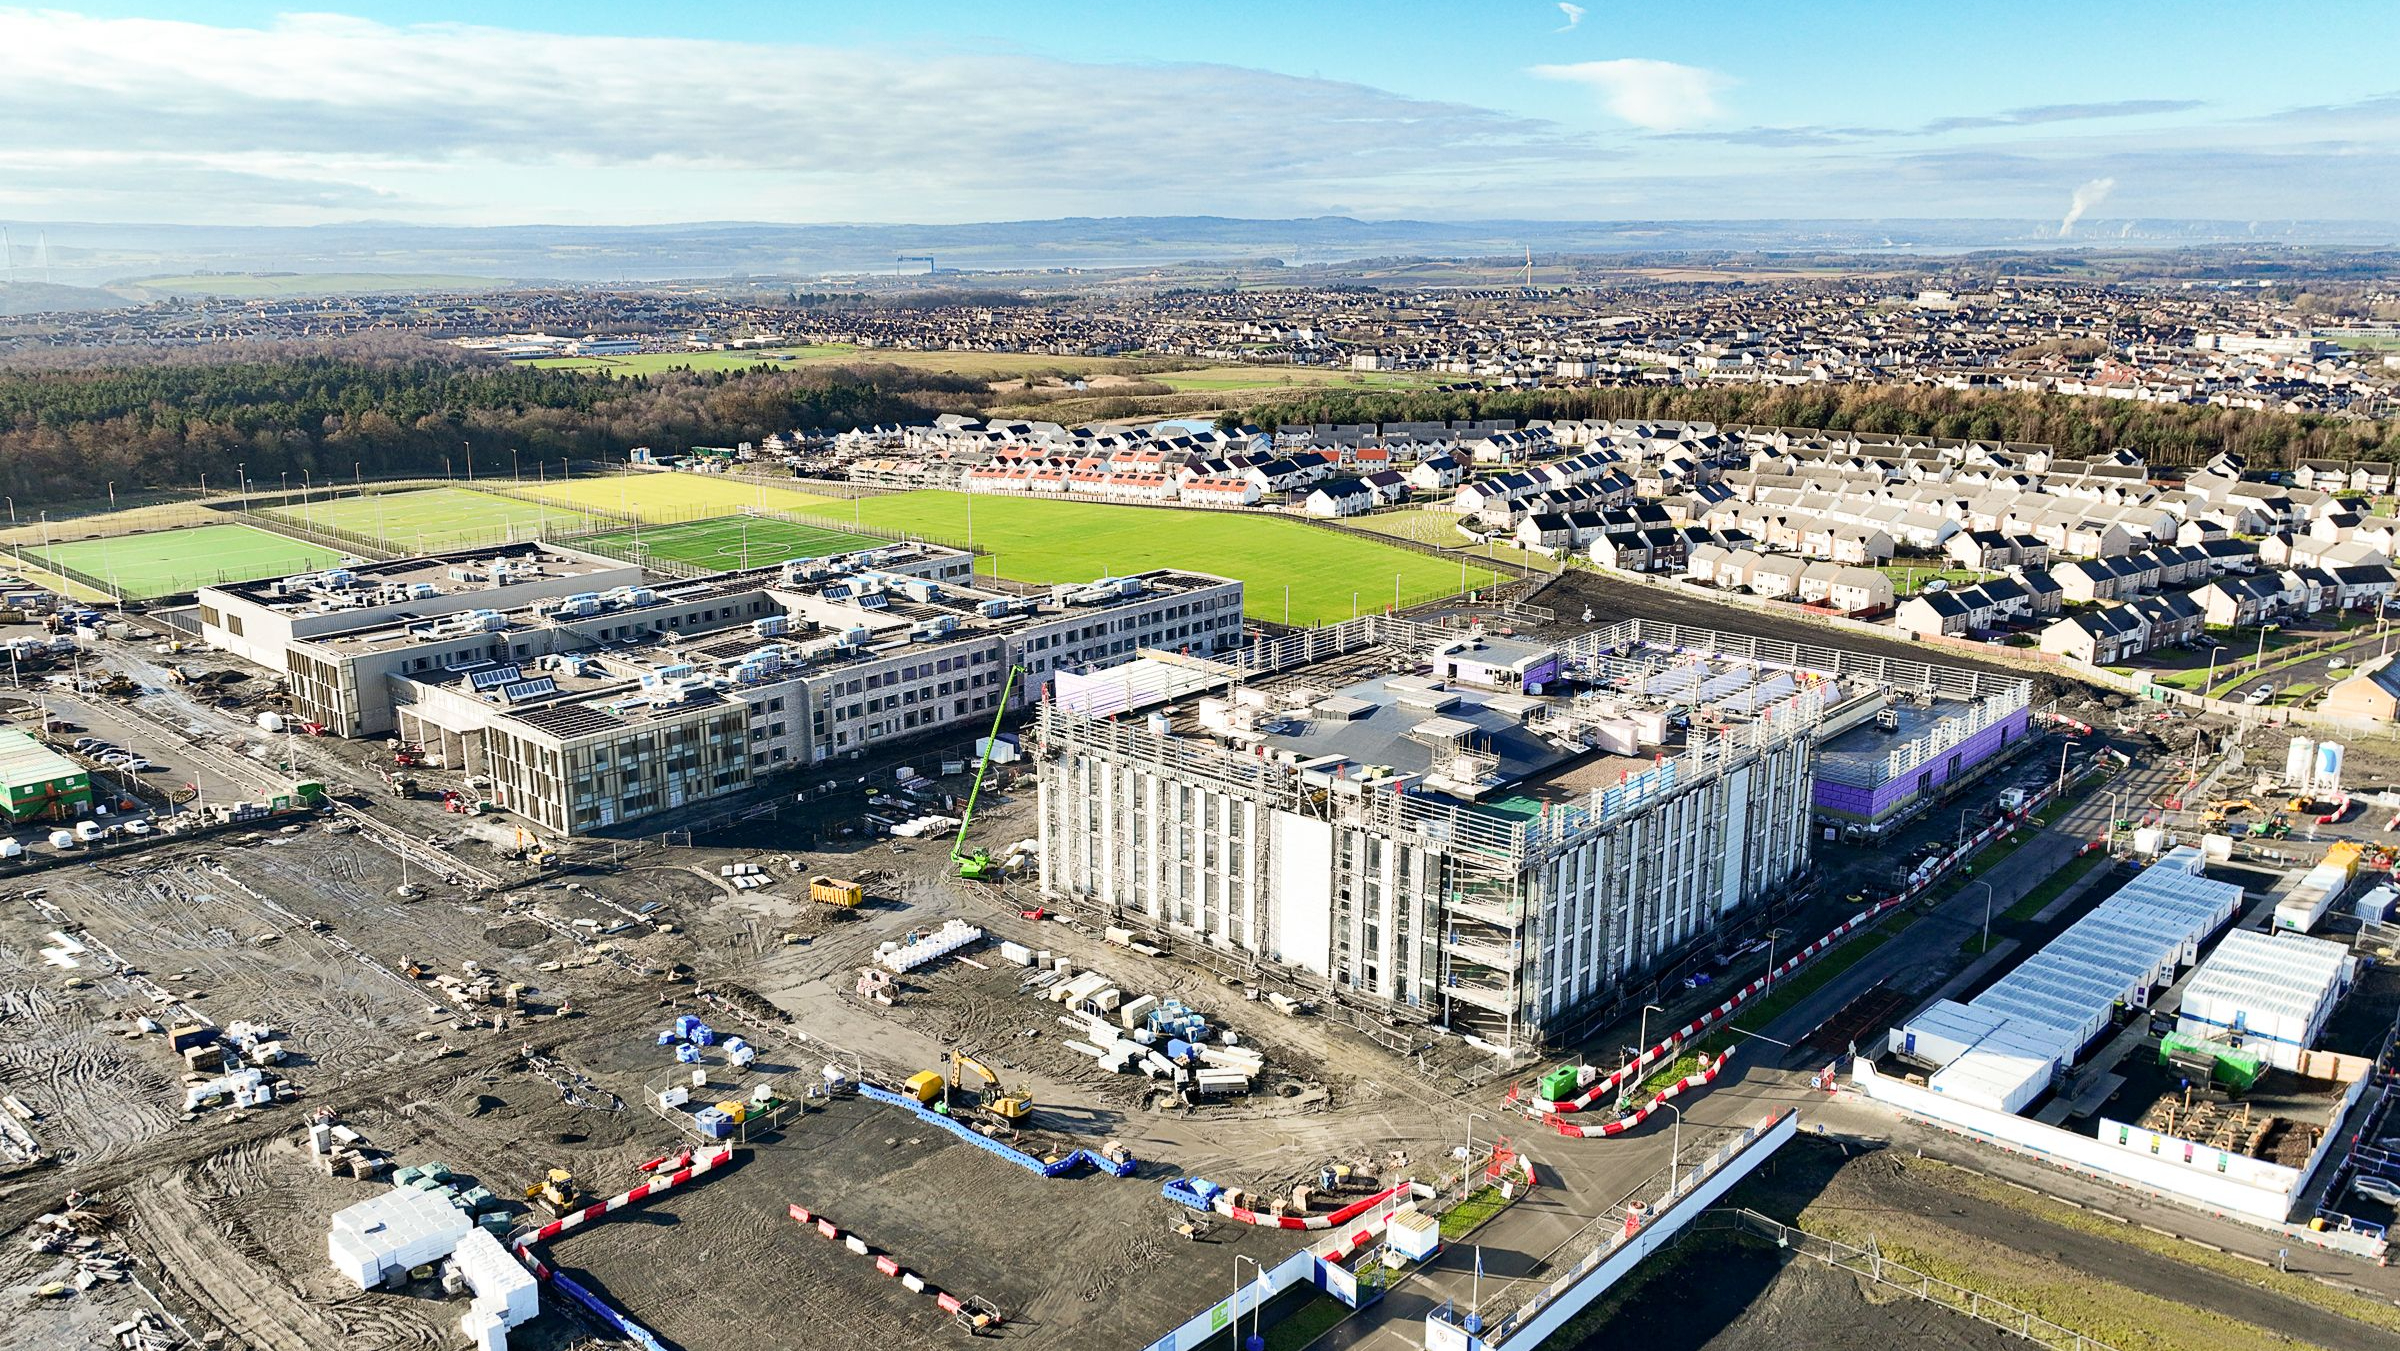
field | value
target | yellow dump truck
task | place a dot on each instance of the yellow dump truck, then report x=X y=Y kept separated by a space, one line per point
x=836 y=891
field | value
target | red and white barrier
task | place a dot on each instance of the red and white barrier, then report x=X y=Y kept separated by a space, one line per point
x=577 y=1219
x=1334 y=1221
x=1700 y=1078
x=885 y=1263
x=1378 y=1215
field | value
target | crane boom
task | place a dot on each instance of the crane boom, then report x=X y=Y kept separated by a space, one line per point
x=979 y=866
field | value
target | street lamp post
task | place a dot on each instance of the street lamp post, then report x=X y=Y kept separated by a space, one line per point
x=242 y=472
x=1642 y=1039
x=1987 y=916
x=1641 y=1048
x=1772 y=936
x=1466 y=1165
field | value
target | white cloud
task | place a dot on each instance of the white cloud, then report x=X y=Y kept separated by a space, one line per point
x=1654 y=95
x=1574 y=15
x=455 y=122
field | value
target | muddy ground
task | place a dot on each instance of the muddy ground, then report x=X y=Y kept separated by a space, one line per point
x=224 y=1213
x=1966 y=1228
x=725 y=1253
x=1713 y=1292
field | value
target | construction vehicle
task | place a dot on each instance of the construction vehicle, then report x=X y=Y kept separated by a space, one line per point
x=980 y=866
x=925 y=1086
x=1010 y=1109
x=557 y=1190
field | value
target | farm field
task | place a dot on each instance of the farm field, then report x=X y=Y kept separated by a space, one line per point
x=1213 y=379
x=1000 y=366
x=735 y=541
x=651 y=363
x=1327 y=575
x=663 y=497
x=426 y=520
x=164 y=562
x=263 y=284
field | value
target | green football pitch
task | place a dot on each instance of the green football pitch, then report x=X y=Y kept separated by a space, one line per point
x=734 y=541
x=1287 y=567
x=164 y=562
x=431 y=519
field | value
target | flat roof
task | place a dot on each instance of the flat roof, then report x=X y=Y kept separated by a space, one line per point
x=432 y=569
x=1863 y=748
x=25 y=760
x=2284 y=975
x=1398 y=734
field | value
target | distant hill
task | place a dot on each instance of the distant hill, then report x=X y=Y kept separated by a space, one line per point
x=269 y=285
x=105 y=254
x=41 y=297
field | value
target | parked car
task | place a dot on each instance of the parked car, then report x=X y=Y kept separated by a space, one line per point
x=2260 y=695
x=2377 y=1189
x=1697 y=979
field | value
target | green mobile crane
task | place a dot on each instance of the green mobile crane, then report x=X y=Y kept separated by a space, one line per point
x=980 y=866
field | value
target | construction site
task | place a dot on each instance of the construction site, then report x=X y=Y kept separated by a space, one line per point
x=1008 y=1031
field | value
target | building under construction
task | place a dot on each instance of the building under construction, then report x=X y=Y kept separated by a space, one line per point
x=1489 y=833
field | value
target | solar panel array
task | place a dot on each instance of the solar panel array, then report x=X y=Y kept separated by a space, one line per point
x=492 y=676
x=523 y=690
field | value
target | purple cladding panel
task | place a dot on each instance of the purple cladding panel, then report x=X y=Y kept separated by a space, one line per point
x=1860 y=804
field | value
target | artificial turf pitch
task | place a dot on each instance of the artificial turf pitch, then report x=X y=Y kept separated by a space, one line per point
x=165 y=562
x=729 y=542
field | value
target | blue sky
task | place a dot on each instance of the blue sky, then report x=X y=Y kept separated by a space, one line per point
x=600 y=112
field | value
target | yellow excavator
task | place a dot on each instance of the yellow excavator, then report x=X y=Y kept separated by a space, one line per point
x=1009 y=1108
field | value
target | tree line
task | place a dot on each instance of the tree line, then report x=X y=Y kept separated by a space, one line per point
x=2162 y=434
x=71 y=424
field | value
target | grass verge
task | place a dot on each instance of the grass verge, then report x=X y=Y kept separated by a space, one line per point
x=1469 y=1215
x=2373 y=1312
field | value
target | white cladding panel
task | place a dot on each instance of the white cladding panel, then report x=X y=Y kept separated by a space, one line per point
x=1301 y=890
x=1736 y=838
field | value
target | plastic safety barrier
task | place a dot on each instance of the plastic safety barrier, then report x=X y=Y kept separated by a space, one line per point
x=625 y=1327
x=1219 y=1205
x=1700 y=1078
x=1074 y=1159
